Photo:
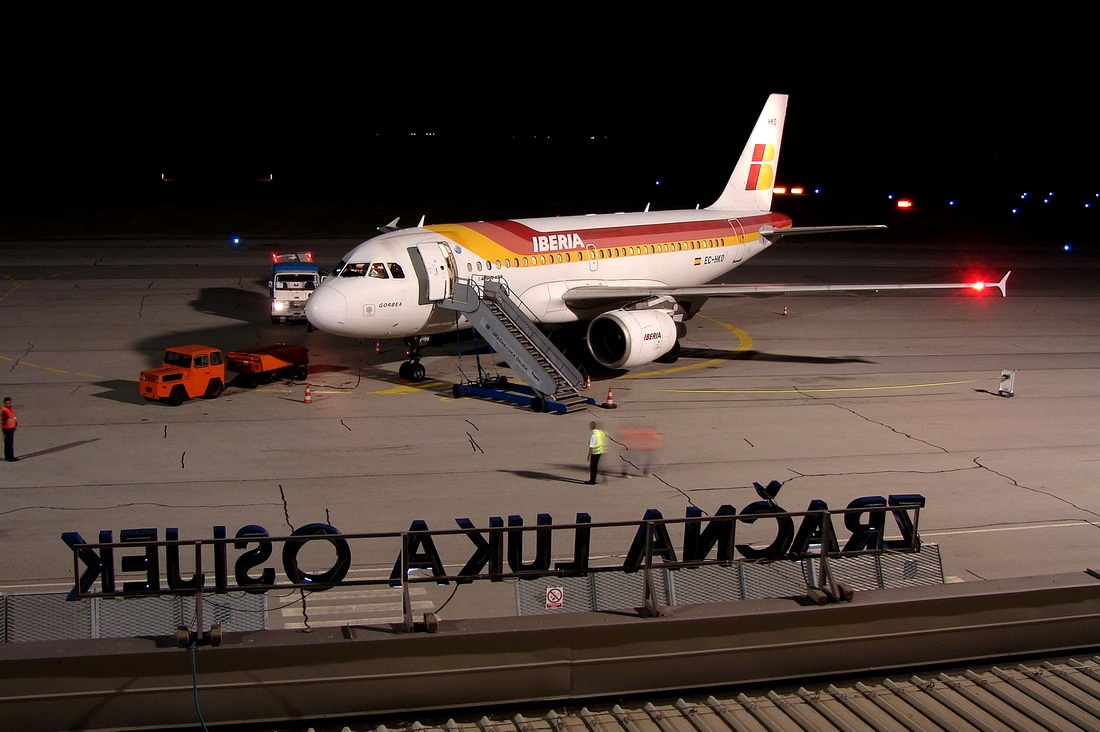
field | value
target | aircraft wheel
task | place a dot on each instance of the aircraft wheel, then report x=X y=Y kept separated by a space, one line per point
x=176 y=396
x=456 y=391
x=214 y=389
x=538 y=404
x=416 y=372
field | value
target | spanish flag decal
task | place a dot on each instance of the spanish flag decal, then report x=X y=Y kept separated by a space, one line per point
x=698 y=261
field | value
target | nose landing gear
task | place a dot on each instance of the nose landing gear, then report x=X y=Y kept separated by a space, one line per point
x=412 y=370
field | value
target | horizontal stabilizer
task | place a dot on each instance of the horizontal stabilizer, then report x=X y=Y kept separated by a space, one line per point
x=773 y=235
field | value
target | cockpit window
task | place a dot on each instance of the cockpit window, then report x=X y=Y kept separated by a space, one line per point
x=378 y=270
x=396 y=271
x=355 y=269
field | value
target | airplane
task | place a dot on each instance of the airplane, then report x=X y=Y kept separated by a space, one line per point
x=633 y=278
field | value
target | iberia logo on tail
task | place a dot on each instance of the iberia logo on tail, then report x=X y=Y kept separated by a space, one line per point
x=762 y=172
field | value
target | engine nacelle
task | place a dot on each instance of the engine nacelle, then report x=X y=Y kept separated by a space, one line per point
x=622 y=339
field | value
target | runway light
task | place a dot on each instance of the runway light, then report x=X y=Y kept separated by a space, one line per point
x=236 y=240
x=797 y=190
x=1067 y=247
x=905 y=203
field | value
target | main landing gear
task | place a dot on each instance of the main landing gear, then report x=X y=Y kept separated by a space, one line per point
x=412 y=370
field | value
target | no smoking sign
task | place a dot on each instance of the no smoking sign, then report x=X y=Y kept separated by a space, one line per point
x=554 y=598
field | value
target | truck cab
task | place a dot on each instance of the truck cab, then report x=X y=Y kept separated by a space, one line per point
x=186 y=372
x=294 y=277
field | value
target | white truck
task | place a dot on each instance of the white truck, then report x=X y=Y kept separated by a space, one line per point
x=294 y=277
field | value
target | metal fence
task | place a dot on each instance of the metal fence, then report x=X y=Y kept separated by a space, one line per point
x=51 y=616
x=716 y=583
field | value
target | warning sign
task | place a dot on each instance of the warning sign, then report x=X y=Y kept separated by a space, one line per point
x=554 y=598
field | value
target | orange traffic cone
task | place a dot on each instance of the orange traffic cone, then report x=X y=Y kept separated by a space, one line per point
x=784 y=311
x=610 y=403
x=309 y=396
x=377 y=347
x=588 y=381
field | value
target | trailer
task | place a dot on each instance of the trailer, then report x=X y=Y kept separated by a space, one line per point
x=264 y=364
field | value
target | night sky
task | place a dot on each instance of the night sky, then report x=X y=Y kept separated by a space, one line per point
x=503 y=116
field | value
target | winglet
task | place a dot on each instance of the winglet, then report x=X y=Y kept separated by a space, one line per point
x=1003 y=282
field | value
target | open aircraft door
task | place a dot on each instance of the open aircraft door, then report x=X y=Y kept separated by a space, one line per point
x=435 y=267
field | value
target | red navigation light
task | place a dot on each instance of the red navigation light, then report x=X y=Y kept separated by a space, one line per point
x=981 y=286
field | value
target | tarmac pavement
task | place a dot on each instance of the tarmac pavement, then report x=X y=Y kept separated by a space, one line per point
x=845 y=395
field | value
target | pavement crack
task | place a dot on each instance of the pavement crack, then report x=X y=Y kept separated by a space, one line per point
x=16 y=362
x=286 y=508
x=302 y=593
x=1055 y=496
x=892 y=429
x=686 y=496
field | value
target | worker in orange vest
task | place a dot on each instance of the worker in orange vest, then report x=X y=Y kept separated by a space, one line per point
x=9 y=422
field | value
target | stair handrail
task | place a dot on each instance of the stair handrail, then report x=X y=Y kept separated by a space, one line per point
x=538 y=340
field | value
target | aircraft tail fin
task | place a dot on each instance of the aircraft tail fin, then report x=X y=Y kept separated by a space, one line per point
x=750 y=186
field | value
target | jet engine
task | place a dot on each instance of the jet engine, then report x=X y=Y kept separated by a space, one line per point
x=622 y=339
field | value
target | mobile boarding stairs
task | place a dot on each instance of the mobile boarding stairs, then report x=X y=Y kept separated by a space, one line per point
x=552 y=382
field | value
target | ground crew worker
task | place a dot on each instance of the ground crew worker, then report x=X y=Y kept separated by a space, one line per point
x=646 y=441
x=597 y=445
x=9 y=423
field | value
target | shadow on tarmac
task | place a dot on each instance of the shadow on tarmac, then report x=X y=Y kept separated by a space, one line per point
x=708 y=353
x=58 y=448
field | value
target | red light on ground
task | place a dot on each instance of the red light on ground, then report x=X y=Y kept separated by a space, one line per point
x=905 y=203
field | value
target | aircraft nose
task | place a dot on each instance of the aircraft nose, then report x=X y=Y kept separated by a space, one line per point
x=327 y=309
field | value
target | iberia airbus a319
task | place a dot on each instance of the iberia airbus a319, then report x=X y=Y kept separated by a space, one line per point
x=634 y=278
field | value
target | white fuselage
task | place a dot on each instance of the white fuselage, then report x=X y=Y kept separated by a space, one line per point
x=390 y=286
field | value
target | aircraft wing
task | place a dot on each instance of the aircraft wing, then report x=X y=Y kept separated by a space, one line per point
x=589 y=296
